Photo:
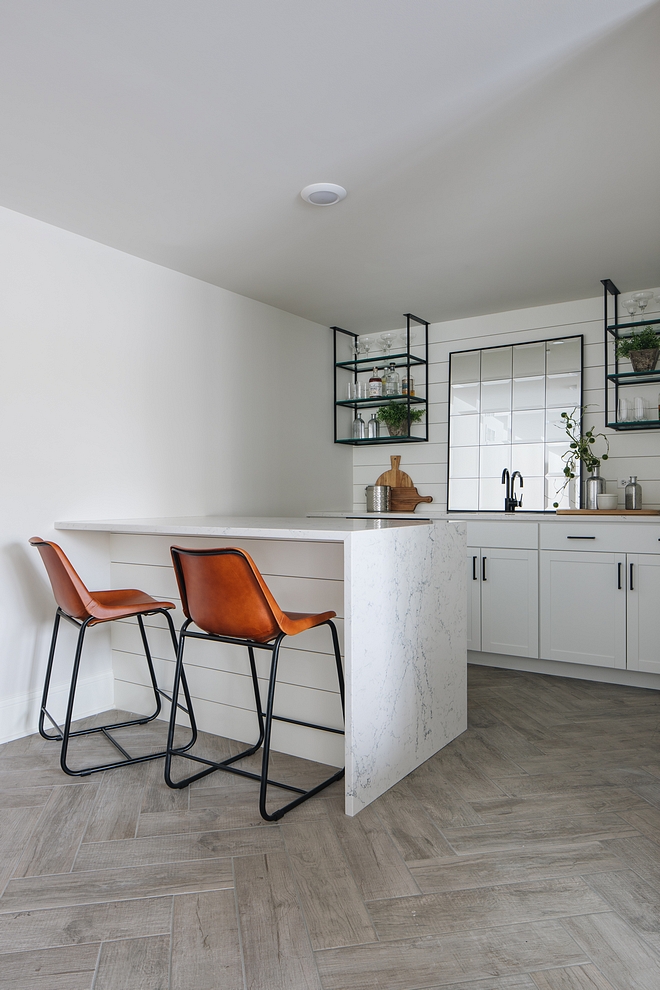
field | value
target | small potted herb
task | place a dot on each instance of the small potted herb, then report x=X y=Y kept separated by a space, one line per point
x=395 y=418
x=642 y=348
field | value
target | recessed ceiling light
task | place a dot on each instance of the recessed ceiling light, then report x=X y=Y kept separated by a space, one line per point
x=323 y=193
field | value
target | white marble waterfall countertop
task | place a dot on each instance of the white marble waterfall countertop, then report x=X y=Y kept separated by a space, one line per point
x=261 y=527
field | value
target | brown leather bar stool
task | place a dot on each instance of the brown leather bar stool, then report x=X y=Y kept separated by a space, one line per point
x=223 y=594
x=89 y=608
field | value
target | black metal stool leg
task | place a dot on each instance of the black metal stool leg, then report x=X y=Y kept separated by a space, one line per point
x=66 y=731
x=49 y=670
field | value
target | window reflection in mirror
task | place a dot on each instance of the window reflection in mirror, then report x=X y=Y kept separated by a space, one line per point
x=505 y=406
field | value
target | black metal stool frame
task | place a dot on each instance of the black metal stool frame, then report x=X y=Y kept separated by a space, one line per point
x=265 y=720
x=64 y=734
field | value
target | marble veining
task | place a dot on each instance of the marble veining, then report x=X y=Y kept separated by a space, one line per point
x=405 y=653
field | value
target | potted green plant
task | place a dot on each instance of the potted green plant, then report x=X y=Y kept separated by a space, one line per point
x=395 y=417
x=642 y=348
x=581 y=449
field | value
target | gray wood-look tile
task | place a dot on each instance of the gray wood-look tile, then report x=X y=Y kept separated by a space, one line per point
x=53 y=847
x=624 y=958
x=646 y=821
x=639 y=854
x=176 y=848
x=512 y=866
x=24 y=931
x=334 y=910
x=505 y=904
x=206 y=953
x=138 y=963
x=67 y=968
x=537 y=834
x=534 y=838
x=25 y=797
x=575 y=978
x=116 y=885
x=634 y=900
x=375 y=863
x=441 y=959
x=481 y=749
x=116 y=810
x=518 y=982
x=461 y=773
x=16 y=826
x=441 y=801
x=588 y=801
x=412 y=831
x=276 y=948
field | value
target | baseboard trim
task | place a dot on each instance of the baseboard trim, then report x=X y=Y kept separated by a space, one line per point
x=555 y=668
x=20 y=716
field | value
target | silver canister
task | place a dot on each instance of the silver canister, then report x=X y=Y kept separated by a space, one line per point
x=378 y=498
x=633 y=493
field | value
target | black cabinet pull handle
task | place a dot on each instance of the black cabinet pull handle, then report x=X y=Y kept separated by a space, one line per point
x=632 y=586
x=580 y=537
x=618 y=567
x=483 y=569
x=475 y=576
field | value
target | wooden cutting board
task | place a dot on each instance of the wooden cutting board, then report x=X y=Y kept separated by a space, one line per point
x=404 y=496
x=395 y=478
x=407 y=499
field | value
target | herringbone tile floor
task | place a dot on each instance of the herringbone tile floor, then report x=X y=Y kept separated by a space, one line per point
x=524 y=856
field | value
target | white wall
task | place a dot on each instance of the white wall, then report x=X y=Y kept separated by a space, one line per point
x=128 y=389
x=630 y=452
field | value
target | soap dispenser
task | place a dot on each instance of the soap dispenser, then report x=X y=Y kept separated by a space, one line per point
x=633 y=493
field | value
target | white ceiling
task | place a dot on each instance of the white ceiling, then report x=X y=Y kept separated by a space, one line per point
x=497 y=153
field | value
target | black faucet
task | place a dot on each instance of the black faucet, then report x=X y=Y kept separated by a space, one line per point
x=511 y=503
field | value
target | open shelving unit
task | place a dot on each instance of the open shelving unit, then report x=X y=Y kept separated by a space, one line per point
x=615 y=379
x=410 y=356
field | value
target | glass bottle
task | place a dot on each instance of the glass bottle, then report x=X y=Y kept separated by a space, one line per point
x=408 y=385
x=358 y=428
x=373 y=427
x=392 y=381
x=375 y=386
x=633 y=493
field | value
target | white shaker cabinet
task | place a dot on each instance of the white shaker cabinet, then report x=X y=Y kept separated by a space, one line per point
x=503 y=601
x=643 y=579
x=583 y=607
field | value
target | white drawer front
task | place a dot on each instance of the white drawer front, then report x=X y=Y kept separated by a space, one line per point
x=507 y=534
x=583 y=534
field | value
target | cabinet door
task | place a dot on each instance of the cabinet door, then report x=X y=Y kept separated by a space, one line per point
x=583 y=607
x=474 y=599
x=643 y=576
x=509 y=602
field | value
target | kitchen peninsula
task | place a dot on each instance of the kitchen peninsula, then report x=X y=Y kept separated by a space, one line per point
x=399 y=589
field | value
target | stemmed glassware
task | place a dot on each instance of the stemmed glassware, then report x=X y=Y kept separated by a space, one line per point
x=631 y=305
x=387 y=339
x=642 y=299
x=364 y=345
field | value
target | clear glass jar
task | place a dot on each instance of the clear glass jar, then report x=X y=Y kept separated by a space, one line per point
x=373 y=427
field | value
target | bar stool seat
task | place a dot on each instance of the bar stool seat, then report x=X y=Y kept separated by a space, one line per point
x=86 y=608
x=224 y=595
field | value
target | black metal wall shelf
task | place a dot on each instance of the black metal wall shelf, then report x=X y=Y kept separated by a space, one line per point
x=614 y=378
x=349 y=367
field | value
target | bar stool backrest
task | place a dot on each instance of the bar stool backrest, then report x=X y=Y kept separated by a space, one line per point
x=224 y=594
x=70 y=593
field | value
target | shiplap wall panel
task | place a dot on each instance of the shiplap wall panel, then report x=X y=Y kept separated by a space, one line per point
x=299 y=558
x=303 y=576
x=219 y=719
x=630 y=452
x=295 y=666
